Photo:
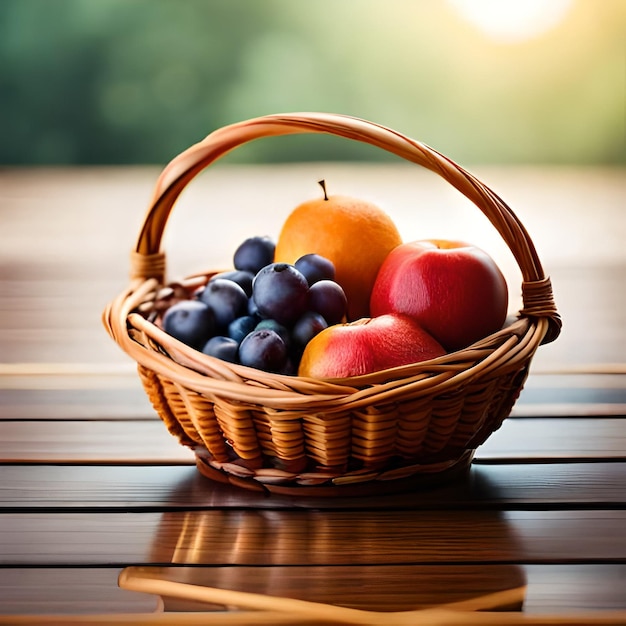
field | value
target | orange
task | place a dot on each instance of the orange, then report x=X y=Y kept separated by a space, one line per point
x=354 y=234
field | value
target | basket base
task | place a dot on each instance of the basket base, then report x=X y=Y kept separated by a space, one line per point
x=428 y=476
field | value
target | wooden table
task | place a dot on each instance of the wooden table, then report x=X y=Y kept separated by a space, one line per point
x=92 y=483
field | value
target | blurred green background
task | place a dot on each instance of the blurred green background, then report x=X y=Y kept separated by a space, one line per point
x=484 y=81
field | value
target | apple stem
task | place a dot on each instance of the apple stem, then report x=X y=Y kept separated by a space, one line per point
x=322 y=184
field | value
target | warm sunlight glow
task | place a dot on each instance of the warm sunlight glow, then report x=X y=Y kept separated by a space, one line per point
x=512 y=20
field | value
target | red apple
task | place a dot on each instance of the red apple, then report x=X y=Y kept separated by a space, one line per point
x=367 y=345
x=453 y=289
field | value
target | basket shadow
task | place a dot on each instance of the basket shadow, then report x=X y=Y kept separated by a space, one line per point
x=376 y=552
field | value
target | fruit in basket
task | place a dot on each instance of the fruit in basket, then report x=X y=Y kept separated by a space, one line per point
x=263 y=349
x=315 y=267
x=241 y=326
x=327 y=298
x=453 y=289
x=263 y=319
x=241 y=277
x=280 y=292
x=190 y=321
x=224 y=348
x=226 y=299
x=309 y=325
x=354 y=235
x=283 y=332
x=367 y=345
x=254 y=253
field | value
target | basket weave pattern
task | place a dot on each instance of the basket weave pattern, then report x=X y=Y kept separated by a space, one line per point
x=297 y=435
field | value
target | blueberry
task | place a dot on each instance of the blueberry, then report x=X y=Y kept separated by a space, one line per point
x=309 y=325
x=264 y=350
x=282 y=331
x=190 y=321
x=329 y=300
x=315 y=267
x=242 y=326
x=280 y=293
x=227 y=300
x=223 y=348
x=254 y=253
x=241 y=277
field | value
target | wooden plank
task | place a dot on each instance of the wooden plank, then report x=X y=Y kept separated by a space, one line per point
x=34 y=488
x=76 y=404
x=90 y=442
x=131 y=441
x=582 y=394
x=569 y=409
x=549 y=588
x=572 y=395
x=253 y=537
x=567 y=588
x=556 y=438
x=25 y=591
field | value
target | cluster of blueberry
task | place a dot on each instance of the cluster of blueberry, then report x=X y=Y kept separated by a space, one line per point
x=263 y=313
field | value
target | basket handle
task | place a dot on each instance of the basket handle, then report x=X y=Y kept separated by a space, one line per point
x=147 y=260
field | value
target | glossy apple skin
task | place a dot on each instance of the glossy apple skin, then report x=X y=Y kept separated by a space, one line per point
x=453 y=289
x=367 y=345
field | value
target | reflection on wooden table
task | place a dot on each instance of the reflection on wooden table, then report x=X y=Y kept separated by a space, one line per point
x=93 y=484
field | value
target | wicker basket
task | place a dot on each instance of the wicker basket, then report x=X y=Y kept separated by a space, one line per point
x=383 y=432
